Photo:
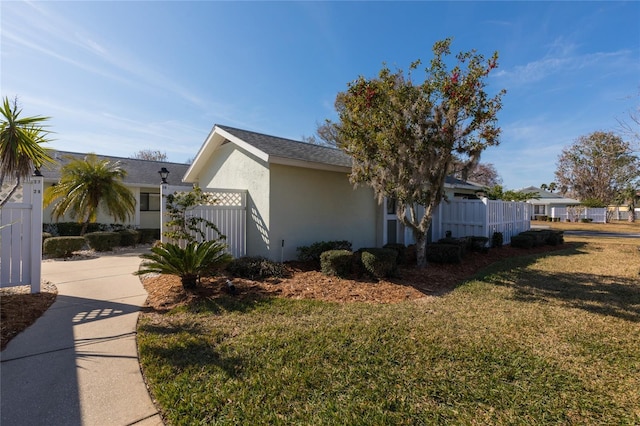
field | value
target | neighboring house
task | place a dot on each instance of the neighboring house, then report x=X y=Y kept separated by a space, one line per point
x=142 y=179
x=545 y=200
x=297 y=193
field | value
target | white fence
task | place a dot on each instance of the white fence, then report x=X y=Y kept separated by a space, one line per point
x=481 y=218
x=575 y=214
x=21 y=237
x=229 y=214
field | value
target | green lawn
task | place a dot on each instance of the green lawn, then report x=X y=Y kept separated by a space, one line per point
x=550 y=339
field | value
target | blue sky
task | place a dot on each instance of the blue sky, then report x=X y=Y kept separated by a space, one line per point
x=117 y=77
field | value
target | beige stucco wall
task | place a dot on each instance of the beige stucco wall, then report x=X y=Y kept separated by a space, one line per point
x=310 y=205
x=233 y=168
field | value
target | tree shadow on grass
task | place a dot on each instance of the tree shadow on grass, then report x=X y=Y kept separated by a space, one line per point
x=191 y=351
x=599 y=294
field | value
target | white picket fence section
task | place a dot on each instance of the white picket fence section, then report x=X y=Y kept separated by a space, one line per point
x=21 y=237
x=575 y=214
x=229 y=214
x=481 y=218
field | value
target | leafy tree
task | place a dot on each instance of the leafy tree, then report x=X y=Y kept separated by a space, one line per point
x=21 y=149
x=404 y=137
x=497 y=192
x=189 y=263
x=484 y=174
x=598 y=167
x=87 y=186
x=184 y=226
x=150 y=154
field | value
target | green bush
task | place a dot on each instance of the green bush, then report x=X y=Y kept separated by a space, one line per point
x=68 y=229
x=256 y=268
x=62 y=246
x=539 y=237
x=313 y=252
x=45 y=236
x=478 y=244
x=337 y=262
x=586 y=220
x=522 y=241
x=555 y=238
x=444 y=253
x=497 y=240
x=102 y=241
x=148 y=235
x=401 y=249
x=464 y=243
x=129 y=237
x=378 y=262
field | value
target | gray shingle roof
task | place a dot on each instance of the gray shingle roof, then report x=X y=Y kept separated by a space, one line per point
x=288 y=148
x=139 y=172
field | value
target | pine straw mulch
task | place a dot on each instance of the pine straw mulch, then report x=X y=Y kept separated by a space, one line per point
x=19 y=308
x=303 y=282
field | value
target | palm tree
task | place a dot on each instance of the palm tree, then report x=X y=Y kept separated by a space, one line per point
x=21 y=149
x=189 y=263
x=88 y=185
x=553 y=186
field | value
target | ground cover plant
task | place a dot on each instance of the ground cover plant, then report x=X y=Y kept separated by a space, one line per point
x=542 y=338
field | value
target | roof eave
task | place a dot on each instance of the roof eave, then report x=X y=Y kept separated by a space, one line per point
x=216 y=137
x=308 y=164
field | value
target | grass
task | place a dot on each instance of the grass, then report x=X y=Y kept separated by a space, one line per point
x=622 y=226
x=534 y=340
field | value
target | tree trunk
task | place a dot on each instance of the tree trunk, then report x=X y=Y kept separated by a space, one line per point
x=421 y=249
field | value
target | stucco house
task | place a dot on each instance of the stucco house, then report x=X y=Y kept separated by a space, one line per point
x=545 y=200
x=142 y=179
x=297 y=193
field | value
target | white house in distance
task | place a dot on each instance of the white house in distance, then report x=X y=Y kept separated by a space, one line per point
x=297 y=193
x=544 y=201
x=142 y=179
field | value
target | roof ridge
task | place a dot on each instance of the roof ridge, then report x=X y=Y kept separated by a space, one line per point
x=224 y=127
x=117 y=157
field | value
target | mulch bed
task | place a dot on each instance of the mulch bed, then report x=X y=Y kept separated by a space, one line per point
x=302 y=282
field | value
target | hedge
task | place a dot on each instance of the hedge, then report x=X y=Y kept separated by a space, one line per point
x=337 y=262
x=62 y=246
x=102 y=241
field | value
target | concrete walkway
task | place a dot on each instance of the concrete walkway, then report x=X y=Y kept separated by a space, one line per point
x=78 y=364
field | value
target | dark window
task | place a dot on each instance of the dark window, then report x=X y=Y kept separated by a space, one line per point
x=149 y=202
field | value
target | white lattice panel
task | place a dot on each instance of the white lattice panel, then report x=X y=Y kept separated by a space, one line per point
x=18 y=196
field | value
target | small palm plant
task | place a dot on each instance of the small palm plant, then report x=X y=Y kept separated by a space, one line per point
x=189 y=263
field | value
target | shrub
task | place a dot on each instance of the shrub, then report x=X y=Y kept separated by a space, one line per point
x=129 y=237
x=444 y=253
x=336 y=262
x=478 y=244
x=62 y=246
x=313 y=252
x=522 y=241
x=65 y=229
x=464 y=243
x=586 y=220
x=45 y=235
x=102 y=241
x=379 y=262
x=189 y=263
x=539 y=237
x=256 y=268
x=401 y=249
x=497 y=240
x=148 y=235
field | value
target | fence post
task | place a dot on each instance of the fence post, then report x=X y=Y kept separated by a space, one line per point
x=163 y=210
x=36 y=232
